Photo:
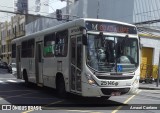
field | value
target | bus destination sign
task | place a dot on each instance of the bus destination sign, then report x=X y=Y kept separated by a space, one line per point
x=110 y=27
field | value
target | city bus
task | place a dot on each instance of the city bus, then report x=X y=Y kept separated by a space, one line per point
x=87 y=57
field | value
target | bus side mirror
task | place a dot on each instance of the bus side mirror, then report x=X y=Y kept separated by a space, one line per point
x=84 y=39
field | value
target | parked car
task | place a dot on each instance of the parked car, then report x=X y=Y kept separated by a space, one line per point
x=3 y=65
x=14 y=69
x=10 y=68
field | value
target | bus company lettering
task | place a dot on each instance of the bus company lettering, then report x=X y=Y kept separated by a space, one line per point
x=75 y=30
x=110 y=28
x=109 y=83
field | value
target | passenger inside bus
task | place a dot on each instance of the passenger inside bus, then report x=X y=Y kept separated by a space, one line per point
x=105 y=49
x=122 y=56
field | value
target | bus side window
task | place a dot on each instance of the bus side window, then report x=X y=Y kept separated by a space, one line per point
x=49 y=45
x=27 y=49
x=31 y=48
x=61 y=43
x=79 y=52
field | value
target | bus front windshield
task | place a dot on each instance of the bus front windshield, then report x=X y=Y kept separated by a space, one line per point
x=112 y=53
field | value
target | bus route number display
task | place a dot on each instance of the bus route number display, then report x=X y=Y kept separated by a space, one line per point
x=110 y=27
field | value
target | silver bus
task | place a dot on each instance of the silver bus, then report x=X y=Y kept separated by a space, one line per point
x=87 y=57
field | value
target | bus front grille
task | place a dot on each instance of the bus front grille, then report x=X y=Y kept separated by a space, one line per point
x=107 y=91
x=115 y=77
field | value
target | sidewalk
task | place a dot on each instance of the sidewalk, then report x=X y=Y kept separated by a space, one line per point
x=149 y=86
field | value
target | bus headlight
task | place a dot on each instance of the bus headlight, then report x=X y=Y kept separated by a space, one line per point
x=91 y=81
x=138 y=77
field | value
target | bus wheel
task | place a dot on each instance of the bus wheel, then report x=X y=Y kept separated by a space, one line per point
x=60 y=87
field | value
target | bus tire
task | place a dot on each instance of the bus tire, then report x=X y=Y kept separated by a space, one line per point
x=60 y=87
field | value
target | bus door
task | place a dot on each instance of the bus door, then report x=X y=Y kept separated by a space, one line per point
x=18 y=62
x=39 y=63
x=76 y=63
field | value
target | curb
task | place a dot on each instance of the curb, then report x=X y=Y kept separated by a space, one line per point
x=150 y=88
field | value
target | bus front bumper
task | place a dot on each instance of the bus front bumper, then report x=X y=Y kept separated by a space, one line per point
x=97 y=91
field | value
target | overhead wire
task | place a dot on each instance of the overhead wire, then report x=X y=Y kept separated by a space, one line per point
x=27 y=10
x=30 y=9
x=53 y=1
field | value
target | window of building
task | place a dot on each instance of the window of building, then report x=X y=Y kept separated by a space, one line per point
x=19 y=27
x=13 y=50
x=4 y=48
x=8 y=47
x=14 y=32
x=22 y=26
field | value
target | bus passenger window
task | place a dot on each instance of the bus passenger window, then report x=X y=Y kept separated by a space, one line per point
x=61 y=43
x=49 y=45
x=79 y=52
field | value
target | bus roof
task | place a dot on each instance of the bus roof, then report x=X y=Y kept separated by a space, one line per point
x=66 y=25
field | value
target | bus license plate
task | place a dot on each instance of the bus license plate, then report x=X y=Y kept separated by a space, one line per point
x=116 y=93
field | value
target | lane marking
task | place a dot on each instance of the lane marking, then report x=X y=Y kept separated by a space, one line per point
x=146 y=99
x=6 y=81
x=1 y=81
x=16 y=96
x=78 y=111
x=27 y=111
x=87 y=111
x=52 y=103
x=83 y=111
x=118 y=108
x=12 y=81
x=7 y=78
x=43 y=106
x=39 y=97
x=15 y=90
x=125 y=102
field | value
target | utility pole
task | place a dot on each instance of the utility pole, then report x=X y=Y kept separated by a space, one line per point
x=98 y=10
x=67 y=10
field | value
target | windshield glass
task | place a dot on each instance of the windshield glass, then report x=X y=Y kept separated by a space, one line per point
x=111 y=53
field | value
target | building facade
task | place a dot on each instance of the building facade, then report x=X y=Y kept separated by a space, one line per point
x=3 y=40
x=13 y=26
x=9 y=31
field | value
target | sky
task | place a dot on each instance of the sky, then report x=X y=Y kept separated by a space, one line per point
x=8 y=5
x=56 y=4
